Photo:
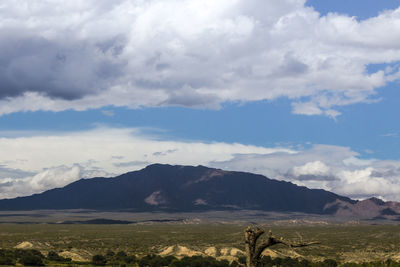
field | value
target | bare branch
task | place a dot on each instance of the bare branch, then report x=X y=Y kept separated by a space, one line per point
x=257 y=233
x=254 y=232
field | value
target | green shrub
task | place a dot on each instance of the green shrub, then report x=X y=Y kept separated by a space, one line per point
x=29 y=257
x=121 y=255
x=329 y=263
x=7 y=260
x=110 y=254
x=53 y=256
x=7 y=257
x=130 y=259
x=99 y=260
x=31 y=260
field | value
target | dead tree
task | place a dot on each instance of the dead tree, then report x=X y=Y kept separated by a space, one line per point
x=254 y=252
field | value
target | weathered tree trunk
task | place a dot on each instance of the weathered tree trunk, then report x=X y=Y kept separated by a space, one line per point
x=254 y=252
x=251 y=236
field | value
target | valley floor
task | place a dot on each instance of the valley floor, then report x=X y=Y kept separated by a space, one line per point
x=180 y=235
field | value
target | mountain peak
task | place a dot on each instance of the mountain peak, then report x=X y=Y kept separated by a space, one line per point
x=156 y=166
x=376 y=200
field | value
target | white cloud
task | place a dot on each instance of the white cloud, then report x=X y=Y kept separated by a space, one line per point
x=47 y=179
x=306 y=108
x=316 y=168
x=334 y=168
x=363 y=182
x=59 y=55
x=103 y=147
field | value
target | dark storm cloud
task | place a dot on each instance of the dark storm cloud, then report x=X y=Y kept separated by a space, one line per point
x=57 y=69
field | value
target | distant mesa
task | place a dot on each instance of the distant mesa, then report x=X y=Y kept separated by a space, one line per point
x=175 y=188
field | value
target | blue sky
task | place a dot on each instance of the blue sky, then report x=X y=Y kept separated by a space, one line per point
x=367 y=128
x=360 y=9
x=202 y=81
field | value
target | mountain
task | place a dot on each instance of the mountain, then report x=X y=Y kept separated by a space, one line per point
x=179 y=188
x=184 y=188
x=371 y=208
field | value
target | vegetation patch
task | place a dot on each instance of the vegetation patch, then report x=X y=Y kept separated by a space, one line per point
x=127 y=244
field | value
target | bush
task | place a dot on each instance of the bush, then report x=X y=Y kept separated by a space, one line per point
x=7 y=260
x=234 y=264
x=31 y=260
x=110 y=254
x=155 y=261
x=329 y=263
x=199 y=261
x=30 y=257
x=267 y=261
x=121 y=255
x=6 y=257
x=53 y=256
x=99 y=260
x=130 y=259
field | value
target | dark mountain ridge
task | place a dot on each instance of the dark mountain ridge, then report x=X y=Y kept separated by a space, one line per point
x=177 y=188
x=180 y=188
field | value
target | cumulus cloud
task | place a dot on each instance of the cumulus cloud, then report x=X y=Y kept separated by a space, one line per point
x=314 y=171
x=334 y=168
x=362 y=182
x=47 y=179
x=57 y=55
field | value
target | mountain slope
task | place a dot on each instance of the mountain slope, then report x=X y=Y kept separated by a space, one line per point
x=371 y=208
x=180 y=188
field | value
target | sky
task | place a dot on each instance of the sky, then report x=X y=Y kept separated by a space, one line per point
x=301 y=91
